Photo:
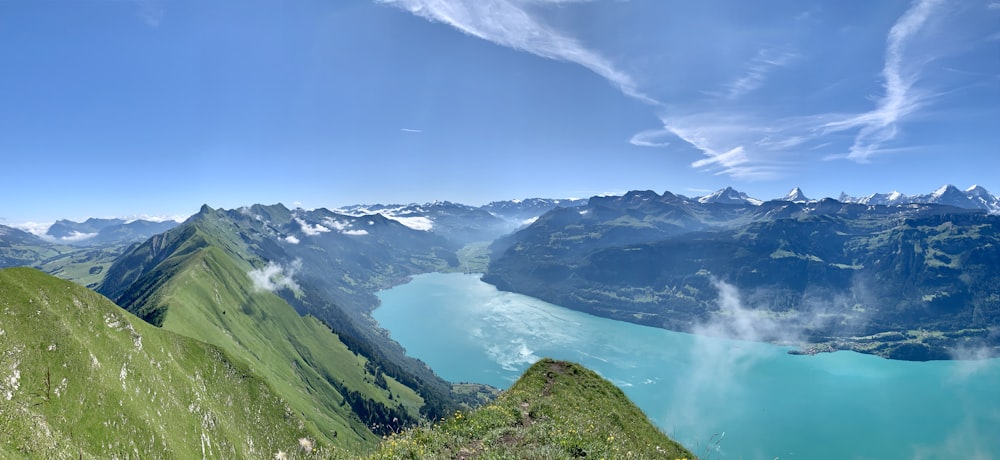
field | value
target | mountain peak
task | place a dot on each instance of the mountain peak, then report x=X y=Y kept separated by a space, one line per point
x=728 y=195
x=796 y=196
x=977 y=190
x=947 y=188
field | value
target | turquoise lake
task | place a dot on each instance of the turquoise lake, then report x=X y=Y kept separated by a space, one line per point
x=761 y=401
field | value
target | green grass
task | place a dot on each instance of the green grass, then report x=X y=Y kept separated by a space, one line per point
x=211 y=298
x=196 y=282
x=555 y=410
x=81 y=378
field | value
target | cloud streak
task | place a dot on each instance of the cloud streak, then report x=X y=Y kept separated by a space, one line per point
x=757 y=71
x=510 y=23
x=901 y=98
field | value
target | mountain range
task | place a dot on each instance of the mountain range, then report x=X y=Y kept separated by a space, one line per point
x=285 y=295
x=914 y=281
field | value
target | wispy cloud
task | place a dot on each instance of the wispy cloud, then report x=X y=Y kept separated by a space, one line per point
x=901 y=98
x=757 y=71
x=650 y=138
x=151 y=12
x=511 y=23
x=743 y=146
x=760 y=146
x=411 y=130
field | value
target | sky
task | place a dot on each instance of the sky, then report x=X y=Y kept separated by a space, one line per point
x=117 y=108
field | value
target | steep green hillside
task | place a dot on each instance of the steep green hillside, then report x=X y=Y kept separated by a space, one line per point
x=207 y=279
x=555 y=410
x=81 y=378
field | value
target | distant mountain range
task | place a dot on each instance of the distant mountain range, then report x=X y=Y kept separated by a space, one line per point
x=974 y=197
x=840 y=274
x=99 y=231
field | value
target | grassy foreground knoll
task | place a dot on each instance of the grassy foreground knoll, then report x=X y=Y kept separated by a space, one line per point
x=82 y=378
x=555 y=410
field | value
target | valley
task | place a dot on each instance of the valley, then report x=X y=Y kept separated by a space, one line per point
x=289 y=293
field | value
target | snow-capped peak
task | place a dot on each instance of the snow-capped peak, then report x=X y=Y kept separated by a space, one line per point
x=729 y=195
x=796 y=196
x=942 y=190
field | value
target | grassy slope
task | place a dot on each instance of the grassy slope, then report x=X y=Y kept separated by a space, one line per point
x=195 y=273
x=555 y=410
x=81 y=378
x=211 y=298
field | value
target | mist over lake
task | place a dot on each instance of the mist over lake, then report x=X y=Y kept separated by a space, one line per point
x=721 y=398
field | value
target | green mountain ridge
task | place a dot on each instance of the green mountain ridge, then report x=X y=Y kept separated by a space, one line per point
x=80 y=378
x=196 y=280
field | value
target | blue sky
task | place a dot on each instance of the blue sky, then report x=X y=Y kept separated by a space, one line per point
x=121 y=108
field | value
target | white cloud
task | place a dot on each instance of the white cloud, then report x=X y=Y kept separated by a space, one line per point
x=35 y=228
x=336 y=224
x=274 y=276
x=414 y=222
x=292 y=239
x=742 y=146
x=901 y=98
x=411 y=130
x=77 y=236
x=511 y=23
x=355 y=232
x=757 y=71
x=650 y=138
x=311 y=230
x=151 y=12
x=155 y=218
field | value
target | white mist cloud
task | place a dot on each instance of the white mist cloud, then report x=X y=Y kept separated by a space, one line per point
x=35 y=228
x=355 y=232
x=292 y=239
x=311 y=230
x=77 y=236
x=275 y=276
x=414 y=222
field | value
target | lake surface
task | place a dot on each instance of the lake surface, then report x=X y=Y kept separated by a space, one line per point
x=768 y=404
